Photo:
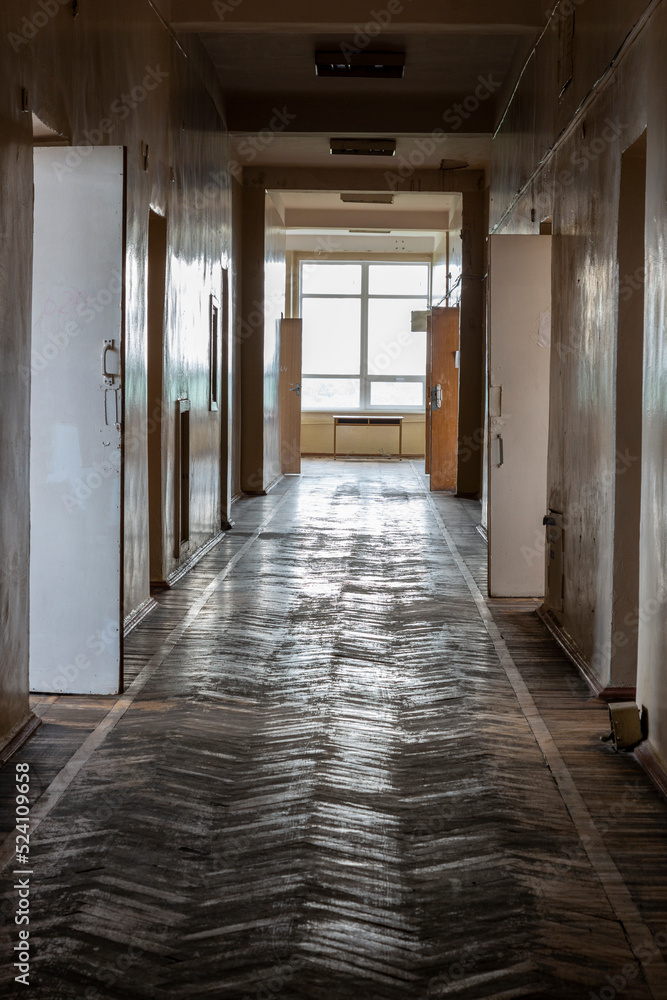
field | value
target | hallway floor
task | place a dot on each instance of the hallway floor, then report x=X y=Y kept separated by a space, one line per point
x=339 y=773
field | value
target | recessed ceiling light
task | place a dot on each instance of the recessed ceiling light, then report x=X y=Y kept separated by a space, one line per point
x=350 y=65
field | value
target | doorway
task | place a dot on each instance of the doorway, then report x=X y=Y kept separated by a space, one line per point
x=629 y=407
x=442 y=404
x=156 y=286
x=519 y=325
x=76 y=420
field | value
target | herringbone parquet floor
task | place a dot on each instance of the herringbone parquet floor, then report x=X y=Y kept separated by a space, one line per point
x=335 y=779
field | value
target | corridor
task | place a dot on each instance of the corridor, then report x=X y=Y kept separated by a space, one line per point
x=339 y=772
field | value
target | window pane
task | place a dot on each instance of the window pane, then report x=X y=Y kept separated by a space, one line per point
x=330 y=394
x=392 y=347
x=330 y=279
x=398 y=279
x=331 y=336
x=398 y=394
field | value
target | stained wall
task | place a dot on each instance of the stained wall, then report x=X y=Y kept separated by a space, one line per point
x=546 y=161
x=112 y=75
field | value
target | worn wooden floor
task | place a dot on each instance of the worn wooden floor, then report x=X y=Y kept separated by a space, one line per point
x=334 y=779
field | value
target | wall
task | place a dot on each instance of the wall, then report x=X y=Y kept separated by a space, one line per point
x=578 y=179
x=274 y=310
x=15 y=294
x=263 y=301
x=80 y=73
x=237 y=309
x=473 y=342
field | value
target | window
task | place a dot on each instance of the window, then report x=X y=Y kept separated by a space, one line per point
x=359 y=351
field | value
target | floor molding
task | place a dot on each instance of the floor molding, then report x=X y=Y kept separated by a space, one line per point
x=21 y=736
x=376 y=455
x=651 y=763
x=135 y=617
x=605 y=693
x=190 y=563
x=264 y=493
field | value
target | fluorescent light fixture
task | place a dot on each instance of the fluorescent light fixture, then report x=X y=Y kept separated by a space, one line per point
x=367 y=199
x=363 y=147
x=373 y=232
x=342 y=63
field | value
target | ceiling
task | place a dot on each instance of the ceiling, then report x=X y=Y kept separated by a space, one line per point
x=324 y=210
x=312 y=150
x=461 y=61
x=415 y=223
x=260 y=72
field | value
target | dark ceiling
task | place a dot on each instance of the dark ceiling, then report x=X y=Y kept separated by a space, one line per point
x=259 y=72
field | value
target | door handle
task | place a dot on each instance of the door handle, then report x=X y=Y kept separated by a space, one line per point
x=109 y=377
x=501 y=452
x=296 y=389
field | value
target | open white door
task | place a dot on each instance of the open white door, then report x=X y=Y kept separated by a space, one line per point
x=519 y=356
x=76 y=407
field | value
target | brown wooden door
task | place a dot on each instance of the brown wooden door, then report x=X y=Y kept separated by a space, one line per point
x=444 y=373
x=427 y=422
x=290 y=395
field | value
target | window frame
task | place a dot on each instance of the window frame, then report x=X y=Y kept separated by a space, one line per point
x=365 y=297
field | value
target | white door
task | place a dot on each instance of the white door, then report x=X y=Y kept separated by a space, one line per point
x=519 y=355
x=76 y=406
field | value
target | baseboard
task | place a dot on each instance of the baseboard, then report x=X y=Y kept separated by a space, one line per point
x=138 y=615
x=20 y=735
x=573 y=654
x=190 y=563
x=654 y=767
x=376 y=455
x=263 y=493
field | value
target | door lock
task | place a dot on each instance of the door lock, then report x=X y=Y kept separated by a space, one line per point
x=436 y=397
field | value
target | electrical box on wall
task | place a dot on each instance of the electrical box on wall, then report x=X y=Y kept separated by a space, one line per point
x=555 y=578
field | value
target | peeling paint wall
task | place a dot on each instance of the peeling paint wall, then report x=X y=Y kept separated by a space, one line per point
x=577 y=178
x=112 y=74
